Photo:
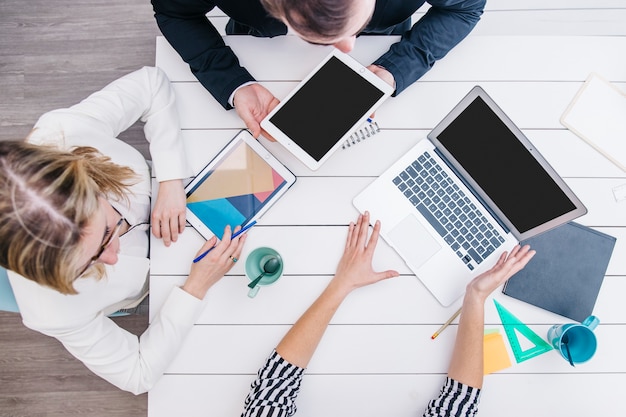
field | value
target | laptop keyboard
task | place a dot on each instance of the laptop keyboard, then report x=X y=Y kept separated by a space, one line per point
x=450 y=212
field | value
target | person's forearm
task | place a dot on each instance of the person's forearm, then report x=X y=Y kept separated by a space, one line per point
x=299 y=344
x=197 y=41
x=162 y=130
x=444 y=25
x=354 y=271
x=466 y=365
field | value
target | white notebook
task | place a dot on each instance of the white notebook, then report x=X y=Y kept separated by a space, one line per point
x=598 y=115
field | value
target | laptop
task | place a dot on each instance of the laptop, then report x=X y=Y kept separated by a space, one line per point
x=474 y=188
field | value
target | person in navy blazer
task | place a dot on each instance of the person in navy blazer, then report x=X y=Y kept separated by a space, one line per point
x=327 y=22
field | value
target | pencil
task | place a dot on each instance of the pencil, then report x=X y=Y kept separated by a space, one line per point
x=446 y=324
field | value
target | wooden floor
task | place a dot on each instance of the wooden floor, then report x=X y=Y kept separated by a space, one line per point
x=38 y=377
x=53 y=54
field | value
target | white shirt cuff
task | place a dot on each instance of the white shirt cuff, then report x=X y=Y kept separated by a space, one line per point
x=232 y=96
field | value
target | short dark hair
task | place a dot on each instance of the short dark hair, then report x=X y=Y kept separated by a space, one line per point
x=323 y=18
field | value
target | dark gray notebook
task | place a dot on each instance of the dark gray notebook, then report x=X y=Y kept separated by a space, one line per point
x=566 y=274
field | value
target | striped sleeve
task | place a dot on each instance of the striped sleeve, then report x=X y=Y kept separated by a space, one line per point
x=274 y=392
x=455 y=399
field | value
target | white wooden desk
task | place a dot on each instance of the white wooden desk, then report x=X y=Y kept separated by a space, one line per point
x=377 y=357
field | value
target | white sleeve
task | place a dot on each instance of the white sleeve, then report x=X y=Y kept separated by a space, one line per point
x=127 y=361
x=145 y=95
x=130 y=362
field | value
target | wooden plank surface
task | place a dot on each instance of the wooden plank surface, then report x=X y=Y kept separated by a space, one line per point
x=530 y=104
x=483 y=58
x=228 y=304
x=582 y=159
x=293 y=243
x=407 y=395
x=380 y=338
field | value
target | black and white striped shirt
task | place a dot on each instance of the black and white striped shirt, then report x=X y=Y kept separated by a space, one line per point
x=274 y=392
x=455 y=399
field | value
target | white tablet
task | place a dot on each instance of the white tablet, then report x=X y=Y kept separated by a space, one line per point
x=321 y=112
x=236 y=187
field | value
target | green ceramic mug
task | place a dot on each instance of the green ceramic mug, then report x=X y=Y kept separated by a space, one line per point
x=254 y=267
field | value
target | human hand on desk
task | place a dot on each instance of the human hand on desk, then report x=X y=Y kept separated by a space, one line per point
x=355 y=267
x=466 y=365
x=210 y=269
x=252 y=103
x=506 y=266
x=168 y=215
x=354 y=271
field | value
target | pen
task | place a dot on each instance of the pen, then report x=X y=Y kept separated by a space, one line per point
x=242 y=230
x=446 y=324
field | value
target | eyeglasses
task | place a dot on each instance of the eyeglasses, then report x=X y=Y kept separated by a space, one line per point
x=105 y=245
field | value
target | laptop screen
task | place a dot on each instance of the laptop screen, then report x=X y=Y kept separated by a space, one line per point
x=504 y=164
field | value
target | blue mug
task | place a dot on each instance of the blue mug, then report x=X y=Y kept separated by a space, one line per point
x=575 y=342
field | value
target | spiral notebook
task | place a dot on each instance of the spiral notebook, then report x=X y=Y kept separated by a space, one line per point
x=367 y=130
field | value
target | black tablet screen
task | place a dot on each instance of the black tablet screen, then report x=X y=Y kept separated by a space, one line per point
x=324 y=109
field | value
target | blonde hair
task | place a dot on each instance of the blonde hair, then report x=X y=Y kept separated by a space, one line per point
x=47 y=198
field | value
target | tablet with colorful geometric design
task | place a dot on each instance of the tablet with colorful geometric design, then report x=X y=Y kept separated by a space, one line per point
x=236 y=187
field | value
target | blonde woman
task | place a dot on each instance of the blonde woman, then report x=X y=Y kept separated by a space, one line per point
x=74 y=215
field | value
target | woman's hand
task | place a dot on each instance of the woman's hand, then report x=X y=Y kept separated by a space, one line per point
x=168 y=215
x=215 y=264
x=508 y=264
x=355 y=268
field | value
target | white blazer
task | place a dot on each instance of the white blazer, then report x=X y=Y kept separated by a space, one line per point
x=80 y=321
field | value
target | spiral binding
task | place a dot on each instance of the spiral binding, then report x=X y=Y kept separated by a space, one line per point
x=359 y=135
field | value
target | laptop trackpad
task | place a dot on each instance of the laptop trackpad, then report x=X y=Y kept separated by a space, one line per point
x=413 y=242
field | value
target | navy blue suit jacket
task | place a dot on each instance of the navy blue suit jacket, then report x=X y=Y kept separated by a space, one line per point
x=184 y=24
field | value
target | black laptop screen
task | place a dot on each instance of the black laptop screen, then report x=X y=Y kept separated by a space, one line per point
x=506 y=171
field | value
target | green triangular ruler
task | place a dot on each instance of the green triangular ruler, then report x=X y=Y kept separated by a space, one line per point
x=512 y=325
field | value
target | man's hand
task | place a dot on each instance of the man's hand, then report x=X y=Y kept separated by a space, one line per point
x=383 y=74
x=168 y=215
x=252 y=103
